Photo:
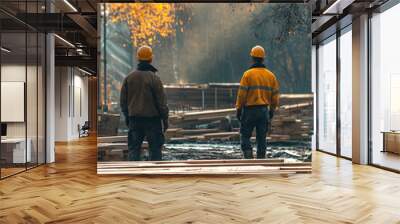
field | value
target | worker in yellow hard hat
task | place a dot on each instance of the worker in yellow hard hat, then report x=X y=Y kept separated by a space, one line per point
x=257 y=99
x=144 y=105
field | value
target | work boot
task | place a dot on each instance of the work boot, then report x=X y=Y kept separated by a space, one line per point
x=269 y=154
x=261 y=154
x=248 y=154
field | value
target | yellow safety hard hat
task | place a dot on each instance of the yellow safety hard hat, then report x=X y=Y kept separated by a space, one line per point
x=257 y=52
x=144 y=53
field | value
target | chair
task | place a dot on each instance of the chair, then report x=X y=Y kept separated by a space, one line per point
x=84 y=130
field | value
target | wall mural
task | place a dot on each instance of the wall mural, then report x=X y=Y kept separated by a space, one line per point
x=201 y=52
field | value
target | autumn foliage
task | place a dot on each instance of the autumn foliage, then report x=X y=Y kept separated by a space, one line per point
x=147 y=22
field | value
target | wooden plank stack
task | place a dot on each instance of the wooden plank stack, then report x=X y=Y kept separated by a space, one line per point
x=205 y=167
x=292 y=122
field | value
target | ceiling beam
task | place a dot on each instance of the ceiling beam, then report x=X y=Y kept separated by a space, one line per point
x=84 y=24
x=49 y=22
x=337 y=7
x=78 y=61
x=320 y=22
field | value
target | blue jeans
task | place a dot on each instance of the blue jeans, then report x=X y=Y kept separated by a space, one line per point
x=254 y=117
x=142 y=127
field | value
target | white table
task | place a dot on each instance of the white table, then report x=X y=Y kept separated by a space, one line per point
x=19 y=154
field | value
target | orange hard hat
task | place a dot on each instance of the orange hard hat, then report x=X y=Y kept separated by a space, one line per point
x=257 y=52
x=144 y=53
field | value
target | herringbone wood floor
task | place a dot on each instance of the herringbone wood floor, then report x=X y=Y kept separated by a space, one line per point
x=71 y=192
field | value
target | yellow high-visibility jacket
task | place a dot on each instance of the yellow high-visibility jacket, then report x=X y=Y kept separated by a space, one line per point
x=258 y=86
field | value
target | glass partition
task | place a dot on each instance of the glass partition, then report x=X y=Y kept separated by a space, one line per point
x=31 y=97
x=13 y=94
x=201 y=55
x=41 y=97
x=346 y=93
x=22 y=89
x=385 y=89
x=327 y=95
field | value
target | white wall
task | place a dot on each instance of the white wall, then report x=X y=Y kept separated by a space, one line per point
x=62 y=81
x=33 y=126
x=13 y=73
x=71 y=102
x=80 y=110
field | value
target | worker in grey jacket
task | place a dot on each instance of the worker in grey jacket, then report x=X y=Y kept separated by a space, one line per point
x=144 y=105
